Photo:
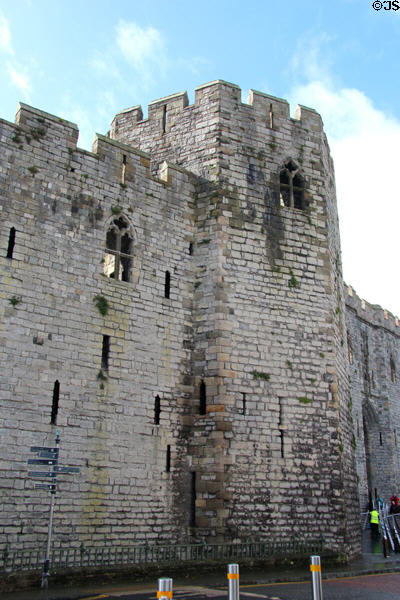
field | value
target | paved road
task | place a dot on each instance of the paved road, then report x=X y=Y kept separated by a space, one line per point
x=367 y=587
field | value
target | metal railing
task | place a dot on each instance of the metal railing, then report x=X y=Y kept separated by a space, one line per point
x=29 y=560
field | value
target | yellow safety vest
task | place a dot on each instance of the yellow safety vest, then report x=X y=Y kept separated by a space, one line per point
x=374 y=516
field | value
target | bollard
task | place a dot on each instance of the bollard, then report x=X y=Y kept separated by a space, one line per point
x=315 y=568
x=164 y=588
x=233 y=579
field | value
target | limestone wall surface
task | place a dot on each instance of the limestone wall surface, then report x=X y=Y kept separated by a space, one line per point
x=60 y=201
x=272 y=304
x=374 y=353
x=234 y=321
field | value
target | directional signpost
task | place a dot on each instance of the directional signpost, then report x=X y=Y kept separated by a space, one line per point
x=48 y=457
x=42 y=461
x=66 y=469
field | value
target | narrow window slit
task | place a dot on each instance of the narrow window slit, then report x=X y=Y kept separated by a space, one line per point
x=105 y=353
x=123 y=172
x=164 y=118
x=192 y=517
x=203 y=398
x=190 y=249
x=157 y=410
x=167 y=284
x=380 y=439
x=54 y=406
x=168 y=460
x=243 y=403
x=271 y=117
x=392 y=370
x=11 y=243
x=281 y=429
x=350 y=350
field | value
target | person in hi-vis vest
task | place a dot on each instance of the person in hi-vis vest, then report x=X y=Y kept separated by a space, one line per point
x=374 y=522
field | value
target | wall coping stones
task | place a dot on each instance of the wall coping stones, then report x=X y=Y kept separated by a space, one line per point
x=372 y=313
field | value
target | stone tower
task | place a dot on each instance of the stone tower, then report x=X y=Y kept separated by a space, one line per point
x=268 y=325
x=210 y=399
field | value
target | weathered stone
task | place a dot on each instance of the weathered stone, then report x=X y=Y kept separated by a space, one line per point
x=212 y=370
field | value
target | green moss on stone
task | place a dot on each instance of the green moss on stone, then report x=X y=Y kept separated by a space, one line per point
x=261 y=375
x=304 y=400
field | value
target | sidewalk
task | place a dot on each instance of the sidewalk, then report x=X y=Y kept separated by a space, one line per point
x=371 y=562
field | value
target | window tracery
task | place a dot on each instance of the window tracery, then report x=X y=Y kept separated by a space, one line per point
x=291 y=186
x=117 y=256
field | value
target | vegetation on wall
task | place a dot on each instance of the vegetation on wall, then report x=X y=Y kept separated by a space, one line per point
x=304 y=400
x=102 y=304
x=15 y=300
x=293 y=282
x=261 y=375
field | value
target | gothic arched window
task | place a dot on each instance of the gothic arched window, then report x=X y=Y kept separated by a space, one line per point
x=117 y=256
x=291 y=186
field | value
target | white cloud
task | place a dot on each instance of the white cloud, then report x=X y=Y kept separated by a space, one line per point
x=347 y=112
x=17 y=73
x=5 y=36
x=143 y=48
x=365 y=145
x=20 y=79
x=309 y=60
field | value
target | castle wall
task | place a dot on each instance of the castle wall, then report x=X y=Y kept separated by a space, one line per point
x=268 y=318
x=262 y=413
x=374 y=353
x=60 y=201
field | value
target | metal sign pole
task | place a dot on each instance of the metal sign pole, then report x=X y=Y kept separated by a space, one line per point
x=48 y=457
x=46 y=565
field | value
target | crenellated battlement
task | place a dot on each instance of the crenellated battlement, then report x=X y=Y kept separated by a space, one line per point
x=36 y=130
x=37 y=123
x=372 y=313
x=165 y=113
x=263 y=103
x=203 y=136
x=176 y=102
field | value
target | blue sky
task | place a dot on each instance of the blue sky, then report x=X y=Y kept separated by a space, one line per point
x=87 y=60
